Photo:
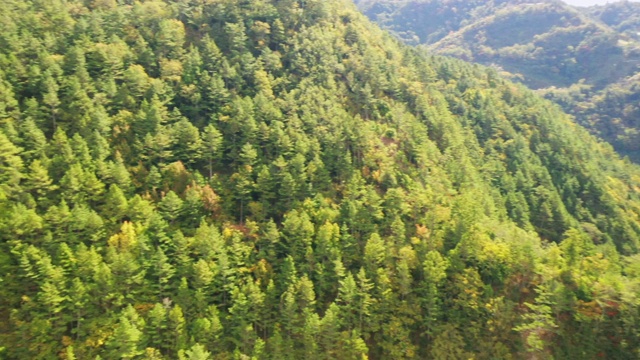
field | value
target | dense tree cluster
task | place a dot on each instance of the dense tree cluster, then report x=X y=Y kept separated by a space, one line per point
x=280 y=179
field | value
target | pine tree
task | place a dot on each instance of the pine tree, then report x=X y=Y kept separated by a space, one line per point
x=197 y=352
x=156 y=330
x=116 y=204
x=177 y=329
x=126 y=341
x=10 y=164
x=51 y=100
x=171 y=206
x=212 y=141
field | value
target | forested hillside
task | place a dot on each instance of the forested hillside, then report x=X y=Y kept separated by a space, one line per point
x=622 y=16
x=281 y=179
x=585 y=59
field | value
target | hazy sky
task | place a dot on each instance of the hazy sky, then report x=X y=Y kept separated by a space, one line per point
x=590 y=2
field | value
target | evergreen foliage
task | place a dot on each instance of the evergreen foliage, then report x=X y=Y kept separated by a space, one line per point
x=280 y=179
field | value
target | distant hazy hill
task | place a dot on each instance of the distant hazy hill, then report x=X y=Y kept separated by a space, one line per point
x=623 y=16
x=584 y=58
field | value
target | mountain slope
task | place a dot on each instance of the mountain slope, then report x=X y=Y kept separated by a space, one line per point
x=622 y=16
x=283 y=180
x=577 y=56
x=546 y=43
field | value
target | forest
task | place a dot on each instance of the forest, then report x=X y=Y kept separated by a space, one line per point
x=583 y=58
x=282 y=179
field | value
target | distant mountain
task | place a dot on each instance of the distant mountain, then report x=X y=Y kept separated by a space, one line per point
x=623 y=16
x=584 y=58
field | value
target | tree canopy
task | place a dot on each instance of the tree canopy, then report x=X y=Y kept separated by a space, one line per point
x=281 y=179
